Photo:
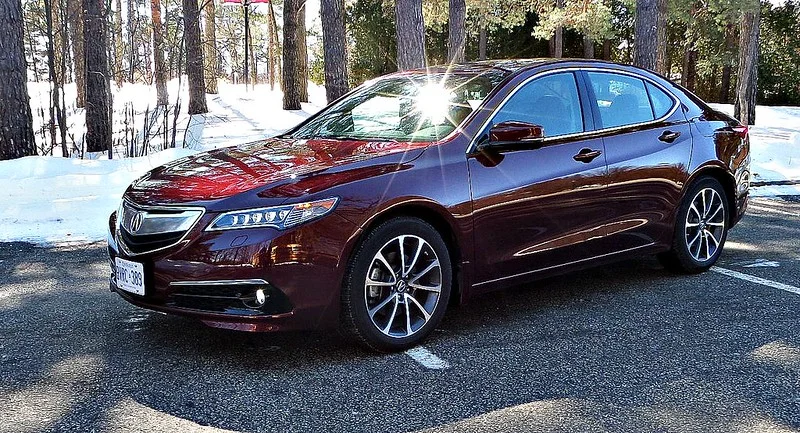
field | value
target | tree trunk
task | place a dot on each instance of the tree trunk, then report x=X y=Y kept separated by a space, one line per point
x=689 y=75
x=132 y=50
x=98 y=92
x=334 y=45
x=607 y=49
x=746 y=87
x=210 y=54
x=588 y=47
x=302 y=51
x=646 y=41
x=410 y=34
x=291 y=64
x=727 y=69
x=661 y=38
x=557 y=45
x=253 y=63
x=16 y=122
x=55 y=66
x=482 y=39
x=270 y=53
x=75 y=18
x=194 y=58
x=457 y=31
x=119 y=47
x=278 y=71
x=162 y=97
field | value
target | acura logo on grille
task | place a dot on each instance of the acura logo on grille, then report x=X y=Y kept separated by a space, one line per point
x=136 y=221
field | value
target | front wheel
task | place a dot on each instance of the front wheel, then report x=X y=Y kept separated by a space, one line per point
x=397 y=286
x=701 y=228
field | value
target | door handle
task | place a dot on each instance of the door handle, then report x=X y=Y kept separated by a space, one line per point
x=587 y=155
x=669 y=136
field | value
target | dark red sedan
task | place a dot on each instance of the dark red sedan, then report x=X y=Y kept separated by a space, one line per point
x=431 y=186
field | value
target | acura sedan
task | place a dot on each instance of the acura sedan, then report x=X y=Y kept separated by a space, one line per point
x=422 y=189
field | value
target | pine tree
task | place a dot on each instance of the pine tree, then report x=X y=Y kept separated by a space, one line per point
x=302 y=52
x=457 y=31
x=210 y=53
x=75 y=18
x=650 y=35
x=291 y=73
x=16 y=123
x=194 y=58
x=98 y=92
x=747 y=75
x=159 y=76
x=410 y=30
x=334 y=45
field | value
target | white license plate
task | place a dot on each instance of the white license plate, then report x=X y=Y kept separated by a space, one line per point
x=130 y=276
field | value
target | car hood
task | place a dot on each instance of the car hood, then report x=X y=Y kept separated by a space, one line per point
x=222 y=173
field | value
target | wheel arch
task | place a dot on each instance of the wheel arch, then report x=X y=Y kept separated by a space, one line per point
x=433 y=214
x=725 y=178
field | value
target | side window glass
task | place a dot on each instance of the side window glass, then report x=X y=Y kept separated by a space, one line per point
x=621 y=100
x=550 y=101
x=662 y=102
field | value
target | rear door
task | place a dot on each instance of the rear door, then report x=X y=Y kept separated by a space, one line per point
x=648 y=144
x=536 y=209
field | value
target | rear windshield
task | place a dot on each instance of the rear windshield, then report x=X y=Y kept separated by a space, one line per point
x=406 y=108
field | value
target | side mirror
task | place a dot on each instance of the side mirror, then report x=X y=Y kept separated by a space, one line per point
x=513 y=135
x=515 y=131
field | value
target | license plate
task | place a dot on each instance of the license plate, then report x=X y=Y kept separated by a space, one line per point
x=130 y=276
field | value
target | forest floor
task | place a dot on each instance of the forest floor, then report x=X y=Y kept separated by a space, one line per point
x=51 y=200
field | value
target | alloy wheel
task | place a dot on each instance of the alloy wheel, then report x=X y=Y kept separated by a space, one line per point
x=403 y=286
x=705 y=224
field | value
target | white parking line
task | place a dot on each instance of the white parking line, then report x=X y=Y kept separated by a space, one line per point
x=427 y=359
x=757 y=280
x=767 y=209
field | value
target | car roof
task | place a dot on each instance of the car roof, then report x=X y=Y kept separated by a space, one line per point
x=509 y=66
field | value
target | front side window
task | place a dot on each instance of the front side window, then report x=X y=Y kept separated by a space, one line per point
x=621 y=99
x=551 y=102
x=406 y=108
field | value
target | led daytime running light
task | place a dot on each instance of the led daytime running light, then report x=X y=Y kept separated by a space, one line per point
x=279 y=217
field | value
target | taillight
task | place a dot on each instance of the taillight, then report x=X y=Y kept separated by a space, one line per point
x=741 y=131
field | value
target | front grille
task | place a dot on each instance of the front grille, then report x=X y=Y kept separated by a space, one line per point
x=144 y=229
x=144 y=243
x=239 y=299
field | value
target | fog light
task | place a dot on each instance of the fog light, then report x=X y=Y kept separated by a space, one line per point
x=261 y=298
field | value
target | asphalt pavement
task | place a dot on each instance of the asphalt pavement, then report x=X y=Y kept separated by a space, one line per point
x=625 y=348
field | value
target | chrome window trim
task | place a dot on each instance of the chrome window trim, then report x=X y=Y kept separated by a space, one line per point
x=121 y=242
x=253 y=282
x=676 y=103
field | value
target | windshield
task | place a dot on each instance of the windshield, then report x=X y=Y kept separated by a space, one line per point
x=407 y=108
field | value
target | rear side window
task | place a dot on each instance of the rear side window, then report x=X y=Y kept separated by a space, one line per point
x=621 y=99
x=551 y=102
x=662 y=102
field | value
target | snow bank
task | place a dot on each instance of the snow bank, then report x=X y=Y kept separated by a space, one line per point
x=774 y=143
x=50 y=200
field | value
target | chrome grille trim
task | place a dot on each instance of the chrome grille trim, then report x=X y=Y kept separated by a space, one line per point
x=174 y=209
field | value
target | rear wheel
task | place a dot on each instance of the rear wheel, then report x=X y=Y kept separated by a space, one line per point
x=397 y=285
x=701 y=228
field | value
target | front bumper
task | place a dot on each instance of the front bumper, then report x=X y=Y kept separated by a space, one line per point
x=214 y=276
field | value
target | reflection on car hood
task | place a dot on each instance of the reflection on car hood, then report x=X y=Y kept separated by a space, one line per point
x=228 y=171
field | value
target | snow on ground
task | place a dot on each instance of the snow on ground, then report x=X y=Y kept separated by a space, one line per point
x=49 y=200
x=774 y=147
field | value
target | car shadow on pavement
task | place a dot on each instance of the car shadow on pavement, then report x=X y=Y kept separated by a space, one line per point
x=628 y=347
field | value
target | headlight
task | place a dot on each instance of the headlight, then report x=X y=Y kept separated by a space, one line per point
x=279 y=217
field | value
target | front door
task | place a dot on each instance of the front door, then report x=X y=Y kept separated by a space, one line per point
x=536 y=209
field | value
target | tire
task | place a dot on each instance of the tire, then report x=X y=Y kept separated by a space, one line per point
x=700 y=230
x=388 y=316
